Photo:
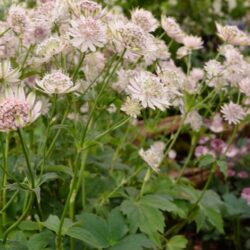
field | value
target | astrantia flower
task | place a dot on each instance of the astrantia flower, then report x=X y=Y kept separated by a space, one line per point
x=194 y=120
x=182 y=52
x=245 y=194
x=160 y=52
x=56 y=83
x=216 y=125
x=149 y=90
x=17 y=19
x=232 y=35
x=244 y=85
x=49 y=48
x=131 y=107
x=154 y=155
x=192 y=42
x=214 y=71
x=172 y=28
x=131 y=37
x=8 y=75
x=89 y=8
x=232 y=113
x=124 y=77
x=231 y=53
x=17 y=110
x=87 y=33
x=37 y=32
x=144 y=19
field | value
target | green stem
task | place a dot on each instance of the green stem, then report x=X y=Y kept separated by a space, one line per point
x=121 y=144
x=20 y=219
x=9 y=202
x=105 y=83
x=77 y=69
x=59 y=233
x=145 y=180
x=5 y=149
x=190 y=153
x=175 y=136
x=27 y=158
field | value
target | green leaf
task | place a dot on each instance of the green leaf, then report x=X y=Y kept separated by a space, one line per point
x=85 y=236
x=53 y=222
x=214 y=218
x=223 y=167
x=16 y=245
x=235 y=206
x=60 y=169
x=47 y=177
x=206 y=160
x=177 y=242
x=116 y=225
x=39 y=241
x=29 y=226
x=134 y=242
x=147 y=218
x=97 y=232
x=163 y=202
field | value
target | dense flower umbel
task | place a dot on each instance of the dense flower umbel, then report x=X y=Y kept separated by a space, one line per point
x=233 y=113
x=131 y=107
x=17 y=19
x=172 y=28
x=232 y=35
x=17 y=110
x=87 y=33
x=149 y=90
x=56 y=83
x=144 y=19
x=154 y=155
x=131 y=37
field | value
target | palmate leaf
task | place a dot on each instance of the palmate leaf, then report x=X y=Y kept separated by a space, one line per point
x=85 y=236
x=53 y=222
x=146 y=214
x=40 y=241
x=135 y=242
x=100 y=233
x=210 y=209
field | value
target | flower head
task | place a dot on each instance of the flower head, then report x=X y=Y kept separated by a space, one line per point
x=216 y=125
x=89 y=8
x=154 y=155
x=144 y=19
x=17 y=110
x=87 y=33
x=245 y=194
x=56 y=83
x=131 y=37
x=17 y=19
x=131 y=107
x=232 y=113
x=232 y=35
x=194 y=120
x=244 y=85
x=49 y=48
x=172 y=28
x=149 y=90
x=192 y=42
